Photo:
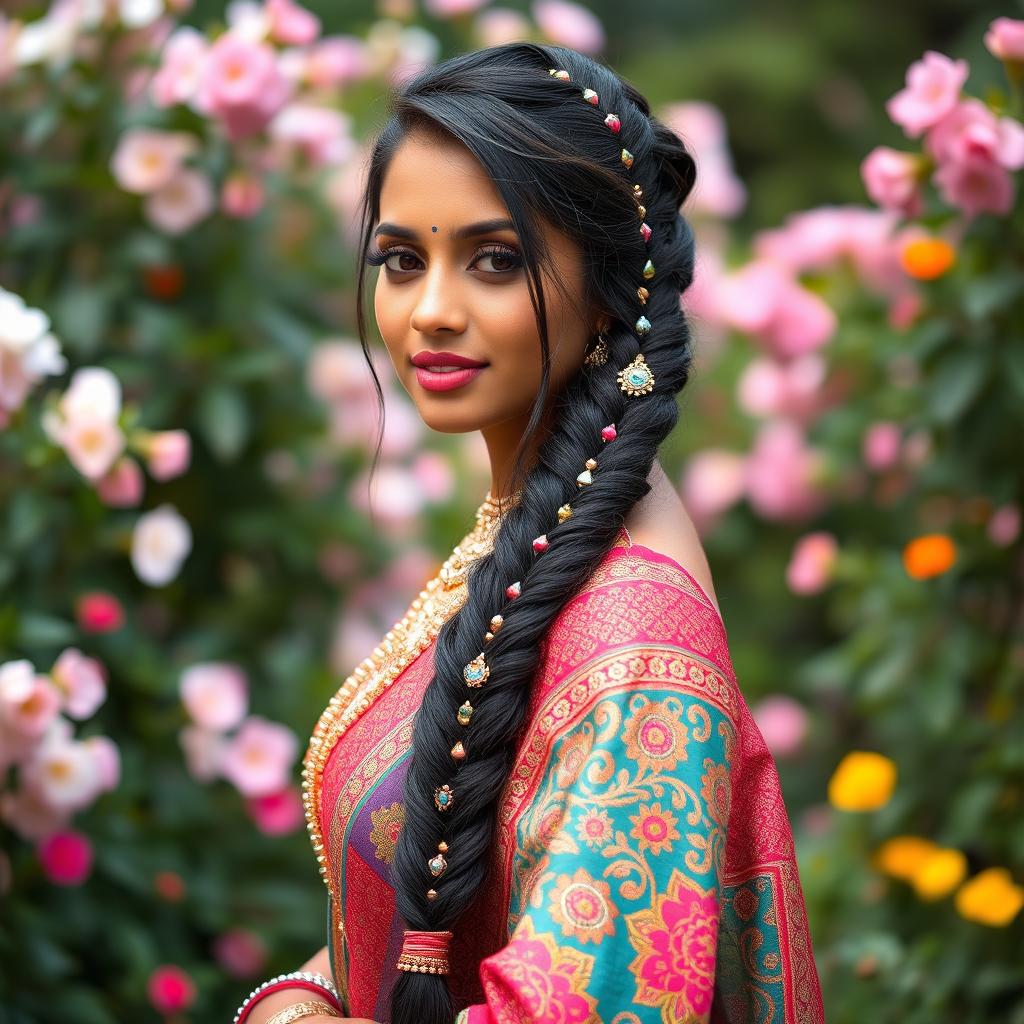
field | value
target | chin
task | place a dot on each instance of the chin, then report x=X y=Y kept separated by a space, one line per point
x=452 y=420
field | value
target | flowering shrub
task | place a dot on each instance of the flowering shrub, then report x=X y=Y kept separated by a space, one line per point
x=193 y=546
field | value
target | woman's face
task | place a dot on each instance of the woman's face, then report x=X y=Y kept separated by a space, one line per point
x=454 y=284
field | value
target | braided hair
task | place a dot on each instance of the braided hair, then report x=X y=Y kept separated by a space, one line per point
x=611 y=177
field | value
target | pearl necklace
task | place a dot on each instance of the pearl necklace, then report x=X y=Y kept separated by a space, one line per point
x=402 y=644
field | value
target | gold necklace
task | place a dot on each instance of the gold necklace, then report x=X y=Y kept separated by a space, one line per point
x=402 y=644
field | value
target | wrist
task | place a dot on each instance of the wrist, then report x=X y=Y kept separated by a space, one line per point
x=286 y=989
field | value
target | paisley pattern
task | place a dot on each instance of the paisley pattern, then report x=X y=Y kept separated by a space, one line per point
x=643 y=869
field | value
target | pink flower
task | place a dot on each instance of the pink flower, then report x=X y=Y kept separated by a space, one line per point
x=277 y=814
x=434 y=475
x=182 y=203
x=168 y=453
x=453 y=8
x=892 y=180
x=29 y=703
x=161 y=542
x=393 y=496
x=66 y=857
x=291 y=24
x=242 y=195
x=64 y=772
x=782 y=722
x=768 y=387
x=970 y=129
x=108 y=761
x=713 y=481
x=92 y=445
x=242 y=953
x=1004 y=526
x=718 y=192
x=242 y=85
x=170 y=989
x=146 y=160
x=203 y=750
x=1005 y=39
x=122 y=485
x=83 y=682
x=932 y=90
x=336 y=61
x=29 y=815
x=259 y=758
x=569 y=24
x=321 y=134
x=881 y=445
x=99 y=612
x=215 y=694
x=762 y=299
x=500 y=25
x=976 y=185
x=181 y=67
x=782 y=472
x=810 y=567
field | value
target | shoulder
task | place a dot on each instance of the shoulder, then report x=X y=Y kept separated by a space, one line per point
x=660 y=523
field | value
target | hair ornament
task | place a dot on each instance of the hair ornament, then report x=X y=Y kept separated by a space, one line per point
x=627 y=158
x=476 y=671
x=564 y=512
x=636 y=378
x=513 y=590
x=443 y=797
x=643 y=326
x=609 y=433
x=437 y=863
x=613 y=122
x=541 y=543
x=425 y=952
x=459 y=752
x=465 y=713
x=559 y=73
x=590 y=96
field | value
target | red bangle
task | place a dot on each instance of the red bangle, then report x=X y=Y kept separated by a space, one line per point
x=312 y=986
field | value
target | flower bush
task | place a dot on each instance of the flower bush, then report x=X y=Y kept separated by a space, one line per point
x=192 y=553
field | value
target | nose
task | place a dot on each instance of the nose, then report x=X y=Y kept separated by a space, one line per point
x=440 y=304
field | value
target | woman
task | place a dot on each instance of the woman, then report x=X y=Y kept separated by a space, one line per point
x=543 y=797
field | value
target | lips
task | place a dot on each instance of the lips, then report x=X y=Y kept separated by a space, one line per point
x=442 y=361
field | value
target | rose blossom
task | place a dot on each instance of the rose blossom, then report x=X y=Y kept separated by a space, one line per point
x=146 y=160
x=932 y=90
x=215 y=694
x=161 y=541
x=1005 y=39
x=259 y=758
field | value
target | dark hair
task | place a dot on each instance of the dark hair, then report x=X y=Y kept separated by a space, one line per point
x=552 y=158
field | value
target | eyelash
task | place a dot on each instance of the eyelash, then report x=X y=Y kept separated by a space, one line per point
x=377 y=257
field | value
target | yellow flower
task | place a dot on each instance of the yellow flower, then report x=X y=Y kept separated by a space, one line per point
x=939 y=874
x=902 y=856
x=927 y=258
x=930 y=555
x=990 y=897
x=863 y=781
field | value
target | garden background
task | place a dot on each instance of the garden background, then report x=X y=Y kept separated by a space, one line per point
x=188 y=563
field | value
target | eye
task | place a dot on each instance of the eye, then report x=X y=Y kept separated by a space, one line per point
x=385 y=257
x=504 y=259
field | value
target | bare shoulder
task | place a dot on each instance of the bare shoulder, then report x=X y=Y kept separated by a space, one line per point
x=659 y=521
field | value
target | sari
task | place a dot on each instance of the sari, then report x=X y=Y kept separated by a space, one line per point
x=643 y=868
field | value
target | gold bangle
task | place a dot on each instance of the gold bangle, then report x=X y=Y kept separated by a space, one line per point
x=306 y=1009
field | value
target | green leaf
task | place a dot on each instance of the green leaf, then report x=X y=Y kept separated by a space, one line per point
x=1013 y=364
x=986 y=295
x=38 y=630
x=956 y=383
x=224 y=422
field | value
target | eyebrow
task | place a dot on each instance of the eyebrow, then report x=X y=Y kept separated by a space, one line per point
x=482 y=227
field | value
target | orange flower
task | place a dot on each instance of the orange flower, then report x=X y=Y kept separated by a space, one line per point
x=903 y=856
x=991 y=898
x=927 y=258
x=653 y=828
x=939 y=874
x=583 y=906
x=929 y=555
x=863 y=781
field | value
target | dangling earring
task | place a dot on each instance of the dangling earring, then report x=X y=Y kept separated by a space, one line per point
x=598 y=356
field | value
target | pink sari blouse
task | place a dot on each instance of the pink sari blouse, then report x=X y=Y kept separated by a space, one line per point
x=643 y=869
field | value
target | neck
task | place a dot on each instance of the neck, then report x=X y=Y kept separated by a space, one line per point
x=502 y=439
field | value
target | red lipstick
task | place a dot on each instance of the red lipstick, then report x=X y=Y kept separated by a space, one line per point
x=459 y=369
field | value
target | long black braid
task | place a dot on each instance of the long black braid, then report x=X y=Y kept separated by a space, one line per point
x=556 y=158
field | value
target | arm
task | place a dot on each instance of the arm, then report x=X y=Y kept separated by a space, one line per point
x=617 y=889
x=268 y=1006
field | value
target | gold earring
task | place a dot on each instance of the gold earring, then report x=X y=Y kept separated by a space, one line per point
x=598 y=356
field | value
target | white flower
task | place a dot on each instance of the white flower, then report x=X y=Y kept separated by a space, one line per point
x=28 y=351
x=161 y=541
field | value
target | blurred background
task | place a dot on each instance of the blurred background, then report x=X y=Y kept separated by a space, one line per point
x=190 y=564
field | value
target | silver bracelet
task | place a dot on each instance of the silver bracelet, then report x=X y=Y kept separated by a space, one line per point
x=313 y=976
